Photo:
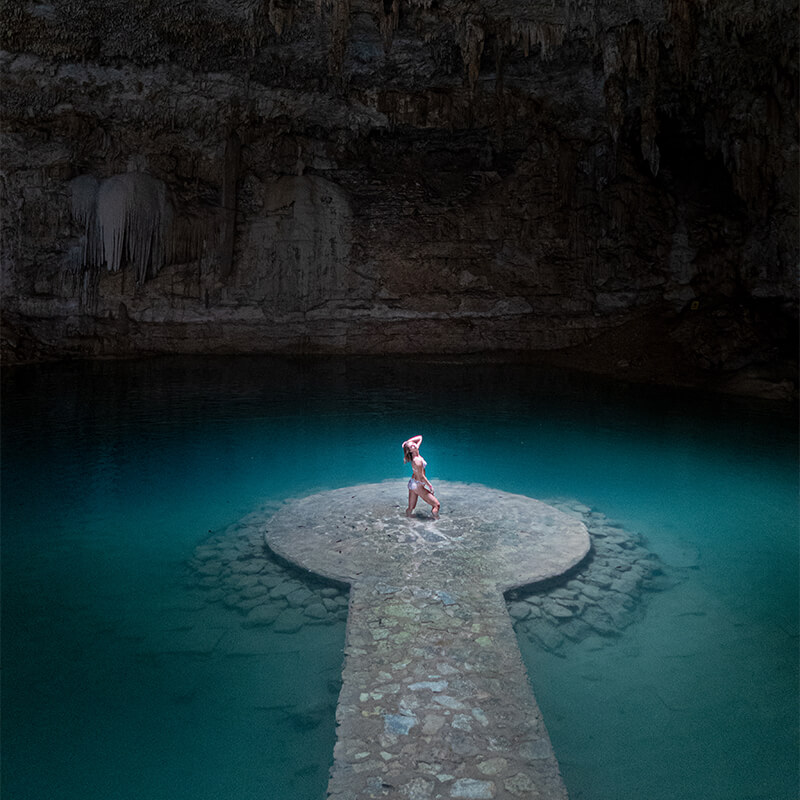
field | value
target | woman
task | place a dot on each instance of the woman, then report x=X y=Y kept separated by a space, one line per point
x=418 y=486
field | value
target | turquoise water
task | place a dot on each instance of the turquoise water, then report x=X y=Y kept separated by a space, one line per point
x=113 y=473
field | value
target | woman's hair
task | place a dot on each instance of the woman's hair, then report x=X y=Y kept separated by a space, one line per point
x=406 y=453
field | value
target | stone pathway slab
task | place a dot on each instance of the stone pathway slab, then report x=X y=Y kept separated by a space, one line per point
x=435 y=701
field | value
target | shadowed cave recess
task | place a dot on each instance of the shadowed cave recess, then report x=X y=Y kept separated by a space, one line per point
x=606 y=185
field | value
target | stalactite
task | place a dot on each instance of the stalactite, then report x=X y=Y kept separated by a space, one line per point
x=133 y=217
x=612 y=58
x=259 y=14
x=739 y=19
x=743 y=137
x=545 y=35
x=471 y=40
x=681 y=14
x=280 y=15
x=189 y=238
x=681 y=10
x=388 y=19
x=648 y=133
x=84 y=209
x=548 y=37
x=84 y=198
x=648 y=57
x=631 y=54
x=340 y=28
x=89 y=293
x=126 y=219
x=230 y=178
x=616 y=103
x=498 y=72
x=255 y=28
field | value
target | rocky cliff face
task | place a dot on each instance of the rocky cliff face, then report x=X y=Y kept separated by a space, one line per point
x=400 y=176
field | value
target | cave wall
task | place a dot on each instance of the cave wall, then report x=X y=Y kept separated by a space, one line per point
x=397 y=175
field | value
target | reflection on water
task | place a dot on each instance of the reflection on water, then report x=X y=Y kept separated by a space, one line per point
x=125 y=677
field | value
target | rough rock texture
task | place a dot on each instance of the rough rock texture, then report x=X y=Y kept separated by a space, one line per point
x=400 y=176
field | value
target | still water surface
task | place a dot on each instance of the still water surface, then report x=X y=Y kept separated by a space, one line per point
x=113 y=473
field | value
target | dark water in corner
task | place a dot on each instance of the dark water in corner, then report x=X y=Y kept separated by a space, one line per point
x=112 y=474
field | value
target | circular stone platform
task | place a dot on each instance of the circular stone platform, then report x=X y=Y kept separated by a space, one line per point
x=435 y=700
x=349 y=534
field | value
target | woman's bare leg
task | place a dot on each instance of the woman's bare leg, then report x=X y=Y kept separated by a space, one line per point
x=412 y=502
x=430 y=500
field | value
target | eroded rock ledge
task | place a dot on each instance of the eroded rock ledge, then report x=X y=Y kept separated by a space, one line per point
x=465 y=176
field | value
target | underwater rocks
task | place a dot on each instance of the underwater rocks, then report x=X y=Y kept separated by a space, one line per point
x=428 y=705
x=233 y=569
x=601 y=598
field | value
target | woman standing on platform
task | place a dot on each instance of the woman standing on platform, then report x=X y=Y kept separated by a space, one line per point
x=419 y=485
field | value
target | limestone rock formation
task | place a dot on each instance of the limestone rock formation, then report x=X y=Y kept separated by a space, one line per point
x=268 y=175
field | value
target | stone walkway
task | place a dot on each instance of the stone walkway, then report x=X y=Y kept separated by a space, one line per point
x=435 y=701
